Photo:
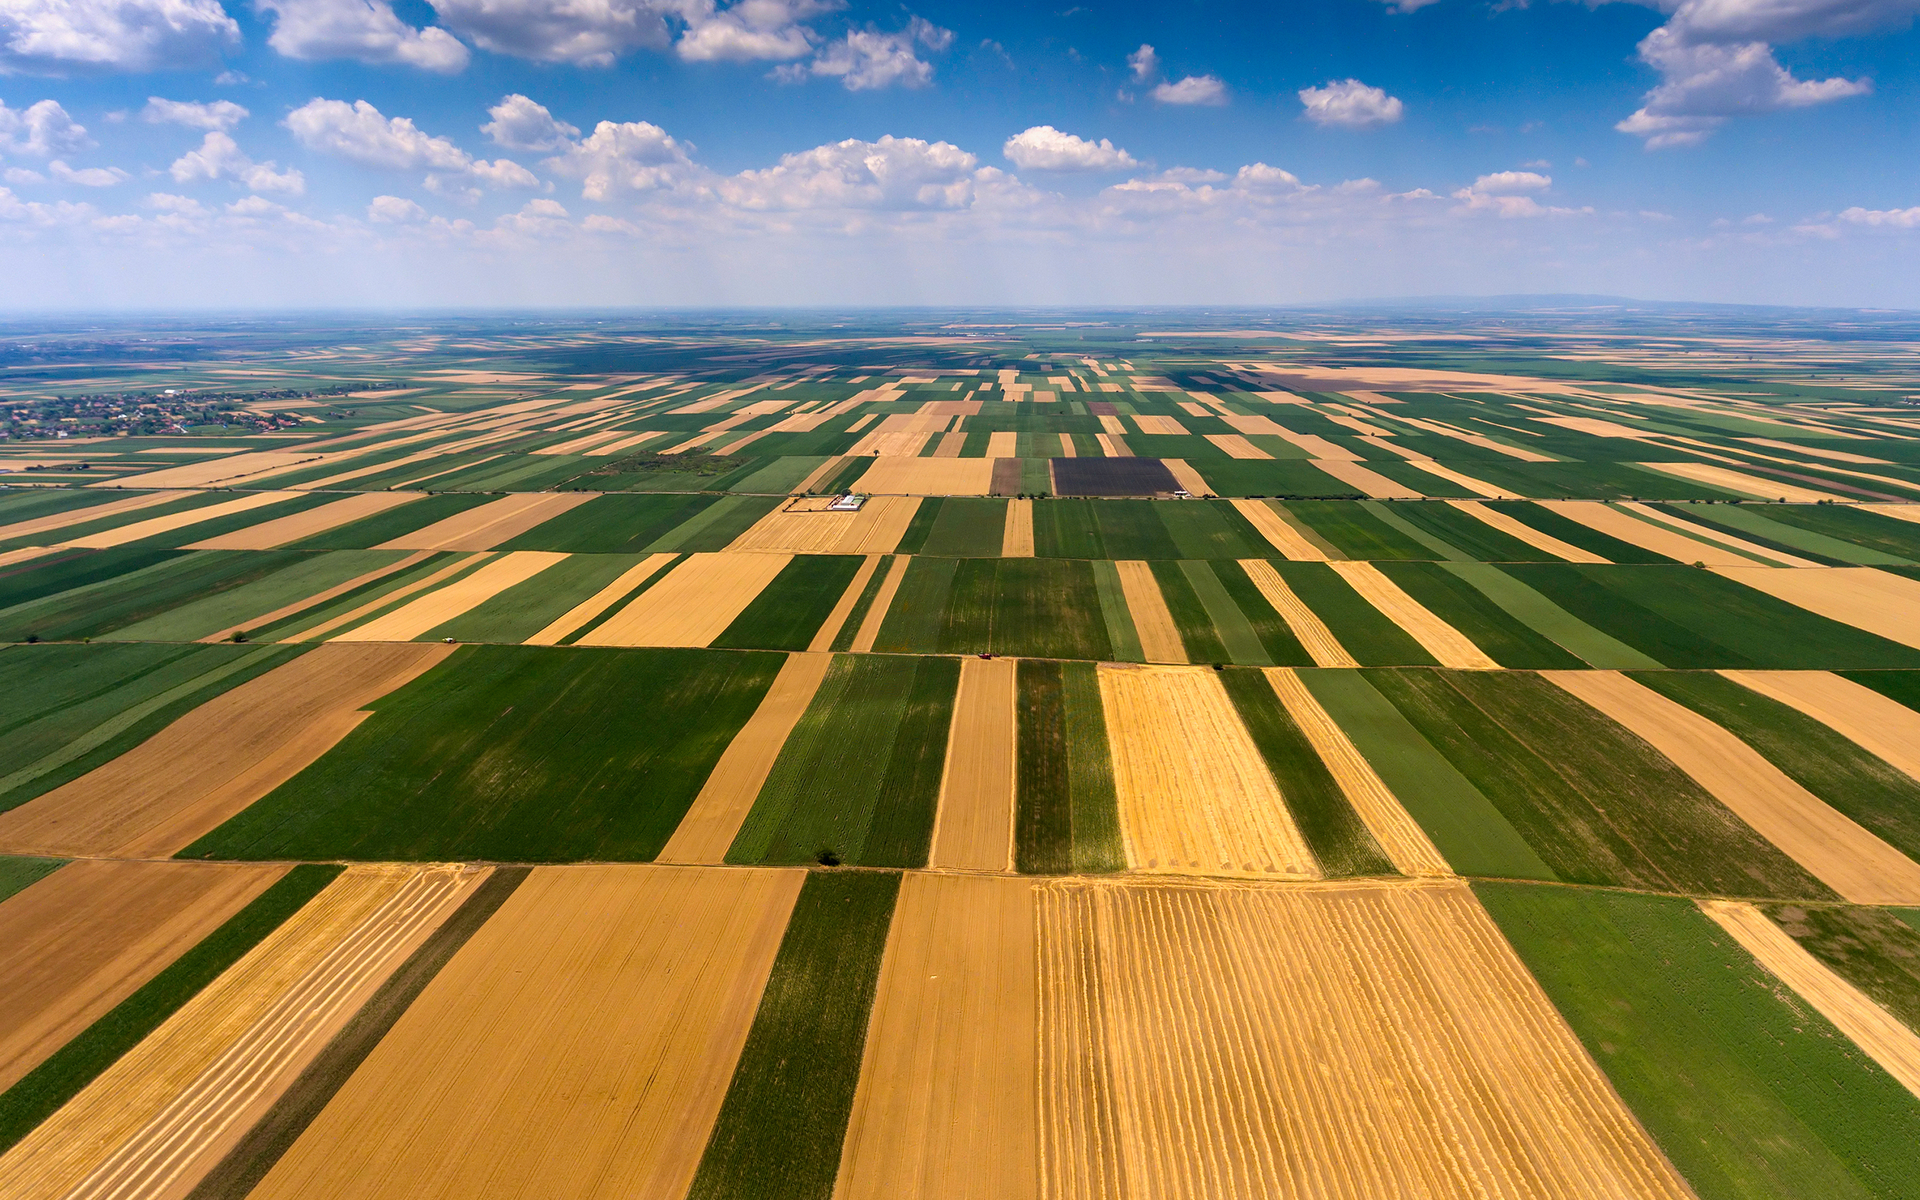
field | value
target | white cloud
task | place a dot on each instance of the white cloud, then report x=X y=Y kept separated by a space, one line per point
x=504 y=173
x=1507 y=183
x=1194 y=89
x=1505 y=195
x=1044 y=148
x=626 y=156
x=393 y=210
x=222 y=115
x=1407 y=6
x=538 y=218
x=364 y=30
x=520 y=124
x=587 y=33
x=1891 y=218
x=55 y=37
x=21 y=175
x=749 y=31
x=219 y=156
x=361 y=133
x=94 y=177
x=1350 y=104
x=41 y=129
x=892 y=173
x=1144 y=63
x=1708 y=83
x=868 y=59
x=1783 y=20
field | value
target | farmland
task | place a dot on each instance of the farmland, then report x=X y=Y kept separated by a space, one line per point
x=873 y=759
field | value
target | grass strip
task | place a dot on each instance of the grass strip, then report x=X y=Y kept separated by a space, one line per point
x=1832 y=766
x=1390 y=515
x=1510 y=642
x=1548 y=619
x=1190 y=616
x=1277 y=640
x=248 y=1162
x=780 y=1128
x=1572 y=532
x=1097 y=843
x=18 y=874
x=1749 y=1091
x=1043 y=806
x=1324 y=815
x=51 y=1084
x=1122 y=638
x=1243 y=644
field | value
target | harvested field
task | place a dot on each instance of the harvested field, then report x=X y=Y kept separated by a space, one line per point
x=216 y=760
x=805 y=527
x=1881 y=726
x=120 y=535
x=1447 y=644
x=1398 y=834
x=227 y=468
x=1017 y=540
x=1533 y=537
x=383 y=598
x=85 y=938
x=1364 y=481
x=1305 y=1028
x=583 y=613
x=1160 y=640
x=443 y=604
x=283 y=531
x=947 y=1104
x=1870 y=1027
x=1840 y=853
x=91 y=512
x=1281 y=535
x=1879 y=602
x=713 y=821
x=487 y=526
x=693 y=604
x=1312 y=632
x=1488 y=607
x=974 y=827
x=170 y=1109
x=1648 y=535
x=515 y=754
x=927 y=477
x=1194 y=794
x=1741 y=483
x=1236 y=446
x=477 y=1090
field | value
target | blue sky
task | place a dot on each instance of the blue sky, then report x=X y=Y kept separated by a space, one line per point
x=534 y=152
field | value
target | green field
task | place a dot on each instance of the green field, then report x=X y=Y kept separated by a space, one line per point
x=1066 y=819
x=790 y=610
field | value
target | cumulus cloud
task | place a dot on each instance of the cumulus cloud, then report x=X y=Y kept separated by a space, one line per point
x=40 y=130
x=1732 y=21
x=1194 y=89
x=220 y=157
x=623 y=156
x=1044 y=148
x=360 y=133
x=367 y=31
x=394 y=210
x=1350 y=104
x=1144 y=64
x=749 y=31
x=94 y=177
x=868 y=59
x=892 y=173
x=59 y=37
x=1509 y=194
x=520 y=124
x=222 y=115
x=504 y=173
x=1708 y=83
x=586 y=33
x=1508 y=183
x=1890 y=218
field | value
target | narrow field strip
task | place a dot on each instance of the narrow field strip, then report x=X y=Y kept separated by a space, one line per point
x=1359 y=1040
x=713 y=821
x=1525 y=532
x=1840 y=853
x=1879 y=602
x=173 y=1105
x=1753 y=552
x=693 y=604
x=388 y=600
x=90 y=513
x=1017 y=540
x=1883 y=727
x=1194 y=794
x=1741 y=483
x=1189 y=479
x=280 y=531
x=487 y=526
x=947 y=1102
x=1491 y=491
x=84 y=940
x=1648 y=535
x=1368 y=483
x=973 y=828
x=1159 y=637
x=829 y=631
x=1447 y=644
x=443 y=604
x=810 y=529
x=222 y=756
x=1872 y=1028
x=1399 y=835
x=1307 y=627
x=154 y=526
x=315 y=600
x=478 y=1088
x=1281 y=535
x=584 y=612
x=876 y=615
